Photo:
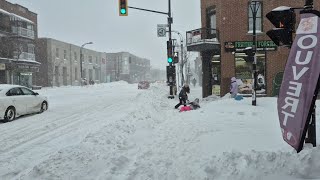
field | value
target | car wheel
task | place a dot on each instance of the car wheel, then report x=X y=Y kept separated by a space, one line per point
x=44 y=107
x=10 y=114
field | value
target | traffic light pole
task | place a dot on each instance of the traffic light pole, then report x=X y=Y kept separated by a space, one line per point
x=170 y=40
x=170 y=36
x=254 y=9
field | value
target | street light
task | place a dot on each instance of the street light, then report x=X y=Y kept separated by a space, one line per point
x=81 y=60
x=254 y=6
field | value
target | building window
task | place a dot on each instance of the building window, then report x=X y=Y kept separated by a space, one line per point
x=31 y=48
x=75 y=56
x=90 y=74
x=84 y=73
x=57 y=52
x=76 y=73
x=64 y=54
x=97 y=74
x=96 y=60
x=252 y=7
x=90 y=59
x=244 y=73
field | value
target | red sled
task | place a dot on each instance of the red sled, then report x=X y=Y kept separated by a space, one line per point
x=185 y=108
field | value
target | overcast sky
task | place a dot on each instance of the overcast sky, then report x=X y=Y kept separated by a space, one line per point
x=80 y=21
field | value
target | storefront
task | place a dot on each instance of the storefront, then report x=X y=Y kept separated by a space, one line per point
x=21 y=73
x=243 y=65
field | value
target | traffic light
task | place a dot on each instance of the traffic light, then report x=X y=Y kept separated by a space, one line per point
x=123 y=7
x=169 y=52
x=176 y=58
x=171 y=75
x=284 y=19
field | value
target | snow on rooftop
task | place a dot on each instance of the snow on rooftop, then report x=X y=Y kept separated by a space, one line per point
x=5 y=12
x=17 y=16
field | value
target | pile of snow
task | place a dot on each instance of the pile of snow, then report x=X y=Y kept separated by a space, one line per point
x=137 y=134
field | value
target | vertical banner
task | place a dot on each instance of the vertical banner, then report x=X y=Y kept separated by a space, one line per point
x=300 y=81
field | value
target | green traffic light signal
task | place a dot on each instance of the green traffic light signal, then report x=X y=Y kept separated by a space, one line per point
x=169 y=60
x=123 y=11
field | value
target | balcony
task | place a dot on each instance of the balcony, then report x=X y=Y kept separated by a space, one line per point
x=203 y=39
x=23 y=32
x=24 y=56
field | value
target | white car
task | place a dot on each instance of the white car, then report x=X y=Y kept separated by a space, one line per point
x=18 y=100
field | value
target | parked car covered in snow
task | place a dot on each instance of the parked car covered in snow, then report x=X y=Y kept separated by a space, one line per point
x=18 y=100
x=143 y=85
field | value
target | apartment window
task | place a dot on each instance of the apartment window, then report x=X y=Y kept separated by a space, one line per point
x=96 y=60
x=57 y=52
x=75 y=56
x=90 y=59
x=31 y=48
x=64 y=54
x=255 y=6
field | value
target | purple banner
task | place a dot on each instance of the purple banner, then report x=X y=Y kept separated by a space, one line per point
x=299 y=81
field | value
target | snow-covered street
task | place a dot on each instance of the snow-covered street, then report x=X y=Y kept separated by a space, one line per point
x=115 y=131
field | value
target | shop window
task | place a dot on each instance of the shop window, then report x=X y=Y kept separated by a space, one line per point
x=255 y=7
x=244 y=73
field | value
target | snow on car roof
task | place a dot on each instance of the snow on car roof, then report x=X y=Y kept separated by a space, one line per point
x=8 y=86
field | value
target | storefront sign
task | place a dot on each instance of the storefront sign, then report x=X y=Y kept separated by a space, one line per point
x=27 y=68
x=2 y=67
x=241 y=45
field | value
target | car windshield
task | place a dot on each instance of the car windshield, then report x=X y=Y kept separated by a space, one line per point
x=159 y=89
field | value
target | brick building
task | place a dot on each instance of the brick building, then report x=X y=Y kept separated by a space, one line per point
x=227 y=27
x=18 y=31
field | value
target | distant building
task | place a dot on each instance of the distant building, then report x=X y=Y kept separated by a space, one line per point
x=127 y=67
x=60 y=64
x=18 y=31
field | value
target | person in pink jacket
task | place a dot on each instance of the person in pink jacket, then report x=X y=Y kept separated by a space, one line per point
x=233 y=87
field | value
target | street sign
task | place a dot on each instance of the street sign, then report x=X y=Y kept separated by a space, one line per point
x=2 y=67
x=161 y=30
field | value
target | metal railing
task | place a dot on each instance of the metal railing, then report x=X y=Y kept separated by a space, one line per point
x=20 y=31
x=24 y=55
x=202 y=35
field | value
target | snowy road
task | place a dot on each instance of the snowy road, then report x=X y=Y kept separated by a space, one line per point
x=73 y=114
x=114 y=131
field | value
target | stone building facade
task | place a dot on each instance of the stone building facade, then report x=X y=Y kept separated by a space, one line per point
x=60 y=64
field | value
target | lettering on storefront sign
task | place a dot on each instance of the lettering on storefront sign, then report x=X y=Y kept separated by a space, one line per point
x=241 y=45
x=28 y=68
